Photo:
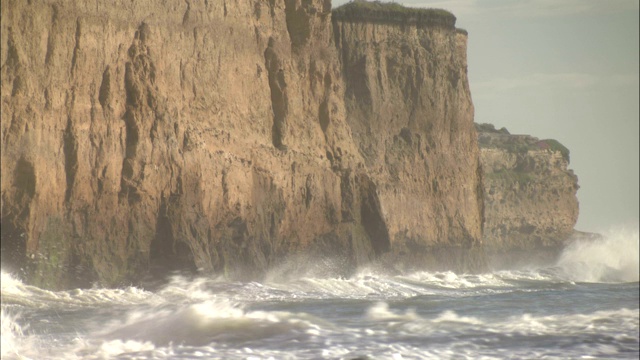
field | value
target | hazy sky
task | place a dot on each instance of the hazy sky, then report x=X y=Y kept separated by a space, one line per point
x=566 y=70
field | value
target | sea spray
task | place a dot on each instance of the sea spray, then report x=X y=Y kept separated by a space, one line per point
x=613 y=259
x=518 y=313
x=12 y=334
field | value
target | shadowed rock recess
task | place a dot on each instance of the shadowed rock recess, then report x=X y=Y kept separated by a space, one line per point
x=144 y=137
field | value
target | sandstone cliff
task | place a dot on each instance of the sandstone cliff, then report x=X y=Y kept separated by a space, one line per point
x=225 y=136
x=530 y=194
x=409 y=107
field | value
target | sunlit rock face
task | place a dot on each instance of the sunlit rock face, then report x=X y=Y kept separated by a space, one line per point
x=409 y=107
x=530 y=194
x=144 y=137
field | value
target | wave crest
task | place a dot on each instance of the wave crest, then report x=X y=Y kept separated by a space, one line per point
x=613 y=259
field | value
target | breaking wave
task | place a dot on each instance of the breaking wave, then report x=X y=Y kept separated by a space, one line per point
x=613 y=259
x=370 y=314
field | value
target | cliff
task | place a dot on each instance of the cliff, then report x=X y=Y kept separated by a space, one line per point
x=530 y=194
x=409 y=107
x=142 y=137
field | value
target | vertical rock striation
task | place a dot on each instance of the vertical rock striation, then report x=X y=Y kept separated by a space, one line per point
x=409 y=107
x=183 y=134
x=142 y=137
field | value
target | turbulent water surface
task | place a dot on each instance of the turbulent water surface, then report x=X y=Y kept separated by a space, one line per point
x=586 y=306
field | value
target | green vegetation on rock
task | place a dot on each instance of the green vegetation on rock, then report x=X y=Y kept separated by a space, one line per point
x=53 y=257
x=376 y=11
x=490 y=137
x=555 y=145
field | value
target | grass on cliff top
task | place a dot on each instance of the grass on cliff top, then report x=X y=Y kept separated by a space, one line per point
x=518 y=147
x=392 y=12
x=555 y=145
x=514 y=144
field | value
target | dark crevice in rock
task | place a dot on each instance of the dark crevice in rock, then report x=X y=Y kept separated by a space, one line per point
x=76 y=48
x=279 y=97
x=13 y=244
x=454 y=77
x=141 y=94
x=323 y=116
x=308 y=193
x=81 y=271
x=13 y=66
x=13 y=58
x=15 y=218
x=50 y=37
x=18 y=86
x=371 y=216
x=70 y=158
x=272 y=5
x=405 y=134
x=167 y=254
x=298 y=24
x=187 y=13
x=132 y=94
x=25 y=183
x=357 y=80
x=104 y=96
x=347 y=194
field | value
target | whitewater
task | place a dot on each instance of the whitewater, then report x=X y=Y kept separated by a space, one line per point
x=585 y=306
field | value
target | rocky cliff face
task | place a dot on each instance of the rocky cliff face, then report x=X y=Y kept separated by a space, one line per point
x=143 y=136
x=409 y=107
x=530 y=194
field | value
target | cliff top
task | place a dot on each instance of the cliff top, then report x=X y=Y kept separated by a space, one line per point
x=490 y=137
x=376 y=11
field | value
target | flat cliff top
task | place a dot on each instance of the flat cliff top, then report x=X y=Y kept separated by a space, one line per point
x=379 y=12
x=490 y=137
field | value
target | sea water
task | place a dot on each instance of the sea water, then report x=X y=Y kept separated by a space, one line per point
x=583 y=307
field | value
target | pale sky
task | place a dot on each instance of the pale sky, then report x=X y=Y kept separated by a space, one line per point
x=566 y=70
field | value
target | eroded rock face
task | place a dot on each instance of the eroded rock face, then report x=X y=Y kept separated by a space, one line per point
x=530 y=194
x=144 y=137
x=409 y=107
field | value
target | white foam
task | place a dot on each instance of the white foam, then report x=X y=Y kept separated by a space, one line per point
x=380 y=312
x=598 y=322
x=10 y=284
x=621 y=321
x=182 y=289
x=451 y=280
x=450 y=316
x=363 y=285
x=109 y=349
x=612 y=260
x=16 y=292
x=200 y=323
x=11 y=333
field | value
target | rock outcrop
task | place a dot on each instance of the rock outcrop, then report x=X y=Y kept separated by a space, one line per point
x=410 y=110
x=530 y=195
x=225 y=136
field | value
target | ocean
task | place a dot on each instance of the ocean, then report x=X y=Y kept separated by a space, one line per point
x=585 y=306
